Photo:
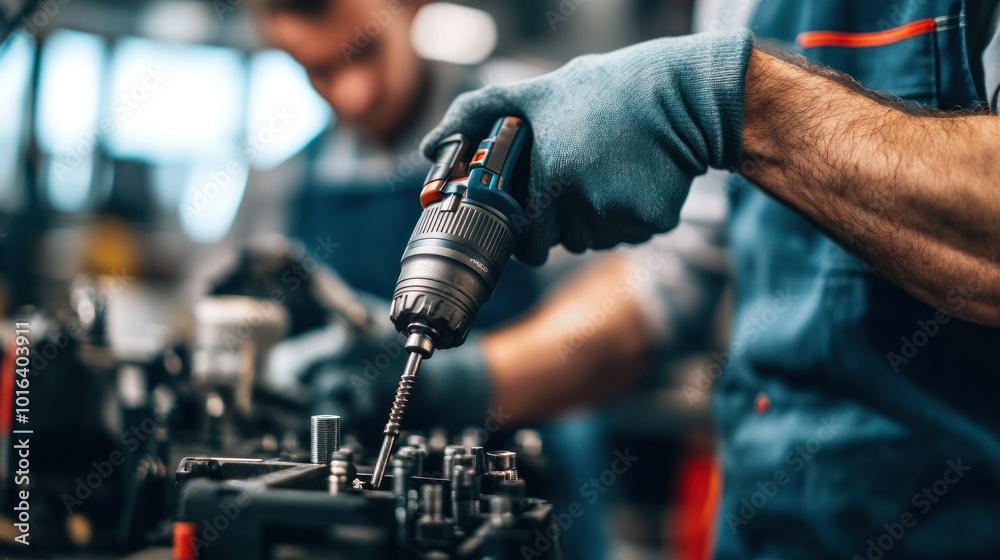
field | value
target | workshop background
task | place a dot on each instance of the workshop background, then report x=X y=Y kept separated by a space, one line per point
x=144 y=146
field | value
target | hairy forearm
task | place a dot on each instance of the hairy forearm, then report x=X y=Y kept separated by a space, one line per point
x=914 y=194
x=583 y=345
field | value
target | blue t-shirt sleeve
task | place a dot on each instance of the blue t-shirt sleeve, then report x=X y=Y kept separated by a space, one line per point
x=991 y=63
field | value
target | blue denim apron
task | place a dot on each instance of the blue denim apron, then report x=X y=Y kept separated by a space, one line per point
x=855 y=421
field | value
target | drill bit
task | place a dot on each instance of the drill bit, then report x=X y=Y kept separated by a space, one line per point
x=420 y=346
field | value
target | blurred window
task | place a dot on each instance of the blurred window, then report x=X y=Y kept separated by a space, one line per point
x=212 y=194
x=15 y=68
x=284 y=112
x=173 y=102
x=67 y=115
x=201 y=116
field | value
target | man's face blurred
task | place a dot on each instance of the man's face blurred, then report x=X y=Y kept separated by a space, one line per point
x=358 y=56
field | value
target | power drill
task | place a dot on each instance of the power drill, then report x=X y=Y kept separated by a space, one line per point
x=458 y=250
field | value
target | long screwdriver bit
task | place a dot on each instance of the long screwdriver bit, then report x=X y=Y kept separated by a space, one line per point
x=419 y=346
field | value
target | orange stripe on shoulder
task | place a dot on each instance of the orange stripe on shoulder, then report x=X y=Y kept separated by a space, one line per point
x=812 y=39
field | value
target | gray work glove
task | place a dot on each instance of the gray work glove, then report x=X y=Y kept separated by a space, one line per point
x=618 y=137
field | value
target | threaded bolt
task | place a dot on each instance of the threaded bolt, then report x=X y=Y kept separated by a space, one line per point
x=416 y=455
x=417 y=440
x=479 y=454
x=402 y=470
x=467 y=461
x=324 y=438
x=433 y=497
x=501 y=511
x=449 y=457
x=465 y=494
x=342 y=471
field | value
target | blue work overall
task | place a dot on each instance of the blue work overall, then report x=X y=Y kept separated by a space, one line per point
x=855 y=421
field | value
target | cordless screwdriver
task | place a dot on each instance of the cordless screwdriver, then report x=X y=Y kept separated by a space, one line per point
x=451 y=266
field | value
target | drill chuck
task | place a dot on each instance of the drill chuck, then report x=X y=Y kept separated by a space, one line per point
x=451 y=266
x=465 y=236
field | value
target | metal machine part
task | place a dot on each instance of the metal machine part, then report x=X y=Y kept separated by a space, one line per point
x=432 y=527
x=503 y=461
x=458 y=250
x=415 y=454
x=404 y=491
x=502 y=466
x=465 y=495
x=479 y=459
x=516 y=490
x=501 y=511
x=325 y=437
x=342 y=472
x=263 y=271
x=253 y=508
x=232 y=340
x=417 y=440
x=450 y=452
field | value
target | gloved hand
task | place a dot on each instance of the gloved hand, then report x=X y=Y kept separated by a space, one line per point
x=618 y=137
x=355 y=375
x=292 y=364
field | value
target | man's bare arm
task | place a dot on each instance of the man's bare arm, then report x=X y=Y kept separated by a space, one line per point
x=914 y=194
x=544 y=365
